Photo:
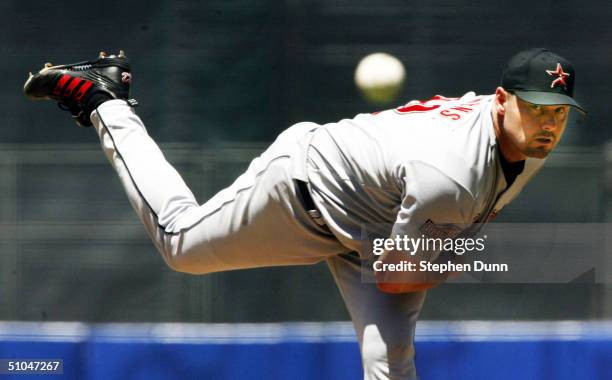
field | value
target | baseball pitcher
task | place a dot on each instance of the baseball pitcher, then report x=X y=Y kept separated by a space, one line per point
x=456 y=161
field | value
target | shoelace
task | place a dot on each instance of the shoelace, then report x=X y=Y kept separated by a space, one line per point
x=81 y=67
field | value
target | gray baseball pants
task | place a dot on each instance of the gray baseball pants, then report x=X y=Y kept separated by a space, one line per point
x=257 y=221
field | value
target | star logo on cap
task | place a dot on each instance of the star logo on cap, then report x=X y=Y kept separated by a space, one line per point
x=561 y=75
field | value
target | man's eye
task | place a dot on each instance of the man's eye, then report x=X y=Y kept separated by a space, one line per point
x=560 y=111
x=535 y=107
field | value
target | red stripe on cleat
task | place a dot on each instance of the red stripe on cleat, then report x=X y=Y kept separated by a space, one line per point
x=59 y=86
x=83 y=90
x=72 y=86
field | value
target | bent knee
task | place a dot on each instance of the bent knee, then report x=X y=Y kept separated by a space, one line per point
x=180 y=265
x=190 y=260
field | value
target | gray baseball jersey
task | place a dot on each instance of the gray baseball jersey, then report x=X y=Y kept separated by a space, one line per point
x=427 y=160
x=435 y=160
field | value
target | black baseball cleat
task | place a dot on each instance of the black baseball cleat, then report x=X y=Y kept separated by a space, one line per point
x=81 y=87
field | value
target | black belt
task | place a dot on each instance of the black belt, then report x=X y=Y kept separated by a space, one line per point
x=304 y=194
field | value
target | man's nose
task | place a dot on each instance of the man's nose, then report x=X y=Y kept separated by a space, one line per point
x=548 y=122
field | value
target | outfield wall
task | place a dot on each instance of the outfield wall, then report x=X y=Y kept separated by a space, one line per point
x=458 y=350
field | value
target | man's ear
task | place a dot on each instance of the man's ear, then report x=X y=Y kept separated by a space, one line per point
x=501 y=100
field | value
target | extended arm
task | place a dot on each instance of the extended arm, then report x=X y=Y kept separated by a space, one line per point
x=434 y=206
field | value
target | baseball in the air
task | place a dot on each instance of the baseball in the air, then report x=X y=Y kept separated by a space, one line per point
x=380 y=77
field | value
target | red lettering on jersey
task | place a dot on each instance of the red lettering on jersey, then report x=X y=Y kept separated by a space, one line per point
x=466 y=107
x=424 y=106
x=463 y=109
x=448 y=113
x=454 y=113
x=440 y=97
x=416 y=108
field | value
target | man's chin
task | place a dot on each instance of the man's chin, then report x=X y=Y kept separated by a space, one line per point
x=539 y=152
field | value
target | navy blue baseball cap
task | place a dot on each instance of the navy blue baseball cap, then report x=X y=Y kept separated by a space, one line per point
x=540 y=76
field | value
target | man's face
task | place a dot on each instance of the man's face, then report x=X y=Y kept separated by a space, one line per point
x=534 y=130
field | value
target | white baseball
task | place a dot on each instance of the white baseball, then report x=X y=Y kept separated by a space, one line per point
x=380 y=77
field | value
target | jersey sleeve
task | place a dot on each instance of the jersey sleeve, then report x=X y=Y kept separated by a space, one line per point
x=433 y=205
